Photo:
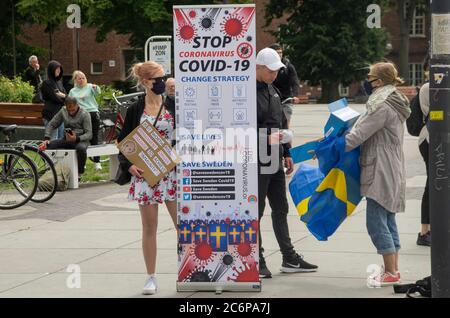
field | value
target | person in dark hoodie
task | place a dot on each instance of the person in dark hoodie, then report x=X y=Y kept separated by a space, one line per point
x=380 y=133
x=53 y=94
x=286 y=82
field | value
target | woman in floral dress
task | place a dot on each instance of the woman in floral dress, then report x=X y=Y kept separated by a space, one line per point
x=150 y=75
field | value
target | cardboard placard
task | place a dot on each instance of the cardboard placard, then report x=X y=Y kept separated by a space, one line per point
x=148 y=150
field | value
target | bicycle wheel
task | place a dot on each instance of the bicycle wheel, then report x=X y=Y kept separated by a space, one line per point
x=47 y=177
x=18 y=179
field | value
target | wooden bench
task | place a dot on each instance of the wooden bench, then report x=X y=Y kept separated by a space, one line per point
x=69 y=158
x=21 y=114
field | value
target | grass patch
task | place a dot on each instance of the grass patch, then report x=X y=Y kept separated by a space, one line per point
x=91 y=175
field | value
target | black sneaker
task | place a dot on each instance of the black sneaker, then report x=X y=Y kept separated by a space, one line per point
x=424 y=240
x=297 y=265
x=264 y=271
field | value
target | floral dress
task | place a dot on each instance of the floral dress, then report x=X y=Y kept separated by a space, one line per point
x=165 y=189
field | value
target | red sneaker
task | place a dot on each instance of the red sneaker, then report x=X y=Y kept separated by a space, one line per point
x=383 y=279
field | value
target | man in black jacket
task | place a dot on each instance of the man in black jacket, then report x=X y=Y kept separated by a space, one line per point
x=286 y=82
x=53 y=94
x=271 y=156
x=32 y=73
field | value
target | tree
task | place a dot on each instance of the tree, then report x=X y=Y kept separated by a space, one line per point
x=46 y=12
x=328 y=42
x=22 y=51
x=138 y=18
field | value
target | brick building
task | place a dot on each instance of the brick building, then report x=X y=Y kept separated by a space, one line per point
x=102 y=62
x=110 y=60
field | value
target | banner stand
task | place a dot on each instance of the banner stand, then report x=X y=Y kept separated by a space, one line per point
x=216 y=118
x=218 y=287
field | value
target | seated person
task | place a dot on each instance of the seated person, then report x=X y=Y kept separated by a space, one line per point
x=78 y=131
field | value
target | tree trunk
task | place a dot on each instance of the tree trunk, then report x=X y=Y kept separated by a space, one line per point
x=50 y=40
x=330 y=92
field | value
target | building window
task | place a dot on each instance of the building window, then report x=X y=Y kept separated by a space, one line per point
x=343 y=90
x=96 y=68
x=417 y=28
x=416 y=74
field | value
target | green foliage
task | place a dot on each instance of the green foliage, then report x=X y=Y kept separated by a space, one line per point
x=23 y=51
x=328 y=41
x=15 y=90
x=105 y=98
x=138 y=18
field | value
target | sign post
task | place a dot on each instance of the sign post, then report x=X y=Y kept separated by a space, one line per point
x=439 y=149
x=158 y=49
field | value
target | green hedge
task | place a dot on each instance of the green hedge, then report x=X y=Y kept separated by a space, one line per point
x=15 y=90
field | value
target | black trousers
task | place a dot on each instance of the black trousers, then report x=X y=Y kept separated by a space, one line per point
x=95 y=121
x=79 y=147
x=273 y=187
x=425 y=209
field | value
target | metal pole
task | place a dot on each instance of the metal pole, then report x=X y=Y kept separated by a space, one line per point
x=439 y=151
x=78 y=48
x=14 y=38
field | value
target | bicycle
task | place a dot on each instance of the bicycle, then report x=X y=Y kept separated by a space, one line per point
x=18 y=176
x=109 y=131
x=46 y=172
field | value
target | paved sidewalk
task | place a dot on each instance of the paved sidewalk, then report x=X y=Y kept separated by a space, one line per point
x=96 y=228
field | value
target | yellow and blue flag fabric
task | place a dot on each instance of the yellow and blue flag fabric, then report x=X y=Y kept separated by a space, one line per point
x=325 y=196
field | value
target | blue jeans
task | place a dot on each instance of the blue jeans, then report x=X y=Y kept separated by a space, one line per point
x=382 y=228
x=57 y=133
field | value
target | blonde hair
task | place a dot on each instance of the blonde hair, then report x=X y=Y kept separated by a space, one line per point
x=146 y=70
x=387 y=72
x=76 y=73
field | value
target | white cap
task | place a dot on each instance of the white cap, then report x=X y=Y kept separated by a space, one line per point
x=270 y=58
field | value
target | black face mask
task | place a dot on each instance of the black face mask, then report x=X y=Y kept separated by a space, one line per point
x=368 y=88
x=159 y=87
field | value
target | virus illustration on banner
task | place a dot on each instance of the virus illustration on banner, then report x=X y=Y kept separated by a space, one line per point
x=186 y=267
x=224 y=265
x=236 y=24
x=208 y=20
x=246 y=273
x=199 y=274
x=244 y=50
x=244 y=251
x=185 y=30
x=203 y=253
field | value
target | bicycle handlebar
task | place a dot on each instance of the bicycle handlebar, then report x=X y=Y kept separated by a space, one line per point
x=126 y=97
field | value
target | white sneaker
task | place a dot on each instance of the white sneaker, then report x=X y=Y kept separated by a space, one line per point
x=98 y=166
x=150 y=286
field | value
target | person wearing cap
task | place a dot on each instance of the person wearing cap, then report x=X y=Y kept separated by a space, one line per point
x=271 y=175
x=286 y=82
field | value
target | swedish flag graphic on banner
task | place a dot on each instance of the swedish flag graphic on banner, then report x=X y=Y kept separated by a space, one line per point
x=200 y=233
x=325 y=196
x=185 y=233
x=218 y=238
x=234 y=234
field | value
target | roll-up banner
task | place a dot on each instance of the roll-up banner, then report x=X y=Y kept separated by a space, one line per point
x=214 y=49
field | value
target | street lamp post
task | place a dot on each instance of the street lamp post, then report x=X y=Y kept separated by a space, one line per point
x=439 y=151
